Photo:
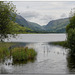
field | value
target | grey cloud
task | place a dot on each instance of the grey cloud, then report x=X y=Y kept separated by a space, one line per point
x=47 y=18
x=30 y=15
x=63 y=15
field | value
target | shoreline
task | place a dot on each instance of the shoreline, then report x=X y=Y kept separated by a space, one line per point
x=60 y=43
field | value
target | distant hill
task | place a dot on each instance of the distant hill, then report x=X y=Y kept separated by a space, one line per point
x=33 y=26
x=18 y=29
x=36 y=27
x=53 y=26
x=21 y=21
x=57 y=25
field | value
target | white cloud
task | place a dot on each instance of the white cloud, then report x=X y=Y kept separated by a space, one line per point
x=30 y=14
x=42 y=12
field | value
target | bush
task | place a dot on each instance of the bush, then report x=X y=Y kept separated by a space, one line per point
x=71 y=39
x=70 y=29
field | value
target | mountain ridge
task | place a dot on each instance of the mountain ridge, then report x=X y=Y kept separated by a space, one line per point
x=57 y=26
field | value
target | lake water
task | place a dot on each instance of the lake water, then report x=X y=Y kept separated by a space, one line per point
x=38 y=38
x=50 y=59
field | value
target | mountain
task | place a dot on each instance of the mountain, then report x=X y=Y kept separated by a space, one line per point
x=23 y=22
x=36 y=27
x=18 y=29
x=53 y=26
x=57 y=25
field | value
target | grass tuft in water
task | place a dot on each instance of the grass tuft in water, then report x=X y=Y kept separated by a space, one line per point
x=20 y=54
x=23 y=54
x=61 y=43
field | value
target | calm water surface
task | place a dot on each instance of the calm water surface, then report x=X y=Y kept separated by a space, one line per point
x=38 y=38
x=50 y=59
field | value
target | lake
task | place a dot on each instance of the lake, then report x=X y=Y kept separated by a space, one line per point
x=38 y=38
x=50 y=59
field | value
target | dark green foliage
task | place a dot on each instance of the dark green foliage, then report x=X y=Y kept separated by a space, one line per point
x=71 y=25
x=70 y=29
x=71 y=62
x=6 y=10
x=71 y=39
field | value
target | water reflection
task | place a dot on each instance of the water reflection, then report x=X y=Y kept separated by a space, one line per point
x=23 y=62
x=7 y=66
x=50 y=59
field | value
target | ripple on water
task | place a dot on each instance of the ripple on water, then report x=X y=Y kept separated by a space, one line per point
x=50 y=59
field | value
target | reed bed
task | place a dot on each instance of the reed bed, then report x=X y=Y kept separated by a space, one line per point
x=18 y=53
x=23 y=54
x=4 y=49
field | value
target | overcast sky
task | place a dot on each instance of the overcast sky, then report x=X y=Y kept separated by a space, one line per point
x=43 y=12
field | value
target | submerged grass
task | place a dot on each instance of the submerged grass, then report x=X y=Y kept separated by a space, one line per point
x=23 y=54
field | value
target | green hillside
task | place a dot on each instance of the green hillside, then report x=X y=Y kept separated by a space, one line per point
x=21 y=21
x=36 y=27
x=19 y=29
x=57 y=25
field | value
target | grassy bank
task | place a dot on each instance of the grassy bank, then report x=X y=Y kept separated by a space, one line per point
x=60 y=43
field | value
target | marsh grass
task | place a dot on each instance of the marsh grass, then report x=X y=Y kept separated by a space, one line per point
x=20 y=54
x=6 y=44
x=61 y=43
x=4 y=51
x=23 y=54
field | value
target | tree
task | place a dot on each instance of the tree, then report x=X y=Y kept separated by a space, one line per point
x=7 y=10
x=70 y=29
